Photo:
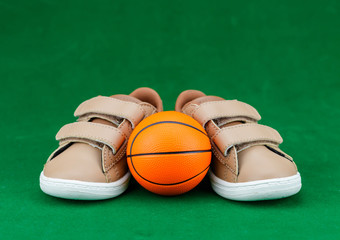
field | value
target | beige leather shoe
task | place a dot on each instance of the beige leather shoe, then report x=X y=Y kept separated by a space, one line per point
x=247 y=163
x=90 y=163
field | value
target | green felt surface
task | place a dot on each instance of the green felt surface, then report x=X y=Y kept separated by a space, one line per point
x=282 y=57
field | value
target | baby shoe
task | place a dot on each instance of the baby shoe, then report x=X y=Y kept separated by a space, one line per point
x=247 y=164
x=90 y=162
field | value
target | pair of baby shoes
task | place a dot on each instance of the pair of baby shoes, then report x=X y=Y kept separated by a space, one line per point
x=90 y=162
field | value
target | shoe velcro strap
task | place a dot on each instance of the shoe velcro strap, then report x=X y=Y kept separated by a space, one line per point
x=100 y=133
x=224 y=109
x=245 y=133
x=131 y=111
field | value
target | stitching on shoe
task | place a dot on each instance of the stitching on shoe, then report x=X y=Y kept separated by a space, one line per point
x=235 y=165
x=115 y=168
x=117 y=160
x=106 y=172
x=147 y=106
x=221 y=160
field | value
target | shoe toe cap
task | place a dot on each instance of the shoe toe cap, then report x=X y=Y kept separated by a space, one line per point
x=80 y=162
x=260 y=163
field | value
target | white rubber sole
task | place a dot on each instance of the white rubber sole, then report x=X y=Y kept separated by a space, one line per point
x=257 y=190
x=79 y=190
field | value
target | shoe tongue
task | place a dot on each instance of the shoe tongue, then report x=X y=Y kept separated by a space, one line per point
x=220 y=122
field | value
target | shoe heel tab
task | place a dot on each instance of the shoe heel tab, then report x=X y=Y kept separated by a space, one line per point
x=185 y=97
x=148 y=95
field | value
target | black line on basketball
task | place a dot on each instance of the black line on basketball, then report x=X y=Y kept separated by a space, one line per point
x=156 y=123
x=163 y=153
x=170 y=184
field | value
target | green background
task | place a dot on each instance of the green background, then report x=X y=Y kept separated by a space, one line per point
x=282 y=57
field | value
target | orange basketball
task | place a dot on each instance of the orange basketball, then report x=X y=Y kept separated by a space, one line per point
x=169 y=153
